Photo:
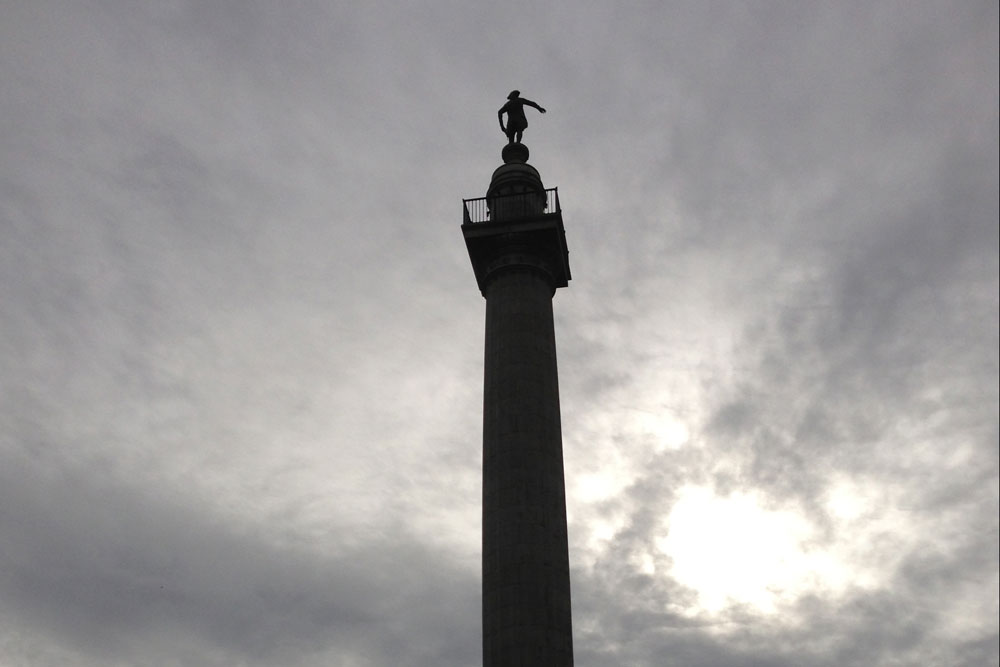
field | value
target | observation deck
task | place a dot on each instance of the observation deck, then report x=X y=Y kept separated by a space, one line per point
x=517 y=225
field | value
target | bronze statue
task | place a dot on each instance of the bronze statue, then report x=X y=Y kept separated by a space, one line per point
x=516 y=121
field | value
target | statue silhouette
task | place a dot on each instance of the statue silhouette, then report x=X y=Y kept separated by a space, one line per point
x=516 y=121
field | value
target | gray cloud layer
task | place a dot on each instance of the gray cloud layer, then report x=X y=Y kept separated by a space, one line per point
x=241 y=344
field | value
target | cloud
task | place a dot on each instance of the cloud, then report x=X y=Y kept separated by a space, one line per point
x=135 y=571
x=241 y=342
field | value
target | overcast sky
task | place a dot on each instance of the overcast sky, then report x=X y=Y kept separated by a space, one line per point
x=241 y=341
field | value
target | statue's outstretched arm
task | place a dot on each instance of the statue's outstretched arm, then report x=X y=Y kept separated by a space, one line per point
x=532 y=104
x=500 y=117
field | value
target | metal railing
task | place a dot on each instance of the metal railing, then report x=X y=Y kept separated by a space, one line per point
x=504 y=208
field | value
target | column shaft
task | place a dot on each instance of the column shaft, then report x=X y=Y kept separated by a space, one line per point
x=526 y=587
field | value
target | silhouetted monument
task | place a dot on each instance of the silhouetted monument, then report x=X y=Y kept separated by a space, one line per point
x=517 y=245
x=516 y=120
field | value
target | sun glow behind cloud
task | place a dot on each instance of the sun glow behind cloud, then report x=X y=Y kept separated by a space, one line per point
x=666 y=430
x=735 y=550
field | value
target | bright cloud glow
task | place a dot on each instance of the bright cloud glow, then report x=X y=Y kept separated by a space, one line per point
x=591 y=487
x=732 y=550
x=667 y=431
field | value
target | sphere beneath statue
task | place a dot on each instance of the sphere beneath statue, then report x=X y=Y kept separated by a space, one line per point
x=515 y=153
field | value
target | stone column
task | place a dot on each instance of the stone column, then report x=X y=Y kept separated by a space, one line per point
x=526 y=589
x=519 y=256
